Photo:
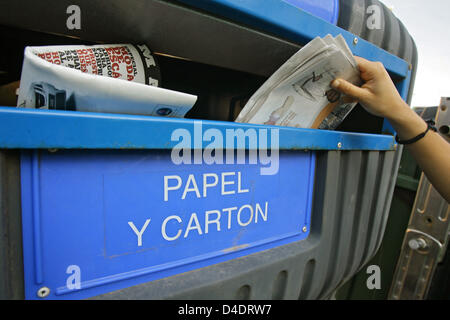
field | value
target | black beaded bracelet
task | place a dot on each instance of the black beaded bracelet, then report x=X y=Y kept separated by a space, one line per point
x=430 y=125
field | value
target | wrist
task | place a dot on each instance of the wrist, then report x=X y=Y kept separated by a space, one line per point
x=410 y=125
x=400 y=112
x=406 y=122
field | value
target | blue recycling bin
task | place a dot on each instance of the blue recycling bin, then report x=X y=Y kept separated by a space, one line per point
x=106 y=212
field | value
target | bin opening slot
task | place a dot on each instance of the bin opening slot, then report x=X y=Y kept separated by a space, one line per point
x=222 y=92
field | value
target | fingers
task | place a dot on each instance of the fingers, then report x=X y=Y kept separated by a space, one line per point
x=349 y=89
x=369 y=69
x=363 y=64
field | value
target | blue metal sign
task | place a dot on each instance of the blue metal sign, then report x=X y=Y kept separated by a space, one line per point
x=95 y=221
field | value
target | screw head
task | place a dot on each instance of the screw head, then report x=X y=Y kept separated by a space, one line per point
x=339 y=145
x=355 y=41
x=304 y=229
x=416 y=244
x=43 y=292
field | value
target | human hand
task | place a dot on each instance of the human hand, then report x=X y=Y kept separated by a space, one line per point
x=378 y=94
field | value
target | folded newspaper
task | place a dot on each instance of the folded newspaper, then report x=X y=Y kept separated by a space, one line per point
x=118 y=78
x=299 y=95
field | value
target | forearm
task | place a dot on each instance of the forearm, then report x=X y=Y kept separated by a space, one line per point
x=432 y=152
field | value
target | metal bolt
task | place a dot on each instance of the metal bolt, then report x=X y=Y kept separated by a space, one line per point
x=43 y=292
x=305 y=229
x=418 y=243
x=355 y=41
x=339 y=145
x=445 y=129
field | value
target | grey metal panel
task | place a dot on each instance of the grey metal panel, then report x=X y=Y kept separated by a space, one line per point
x=414 y=62
x=352 y=195
x=377 y=209
x=346 y=203
x=352 y=16
x=407 y=47
x=11 y=262
x=367 y=189
x=392 y=36
x=390 y=193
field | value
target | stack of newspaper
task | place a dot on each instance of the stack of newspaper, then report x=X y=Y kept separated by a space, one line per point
x=299 y=95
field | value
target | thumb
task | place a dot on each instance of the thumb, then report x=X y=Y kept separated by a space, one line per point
x=348 y=89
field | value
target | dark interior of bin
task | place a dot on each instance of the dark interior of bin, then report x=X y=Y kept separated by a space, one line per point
x=221 y=92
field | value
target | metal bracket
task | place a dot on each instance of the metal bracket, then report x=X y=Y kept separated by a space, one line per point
x=426 y=238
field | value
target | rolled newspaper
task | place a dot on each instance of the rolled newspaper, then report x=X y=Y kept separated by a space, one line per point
x=117 y=78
